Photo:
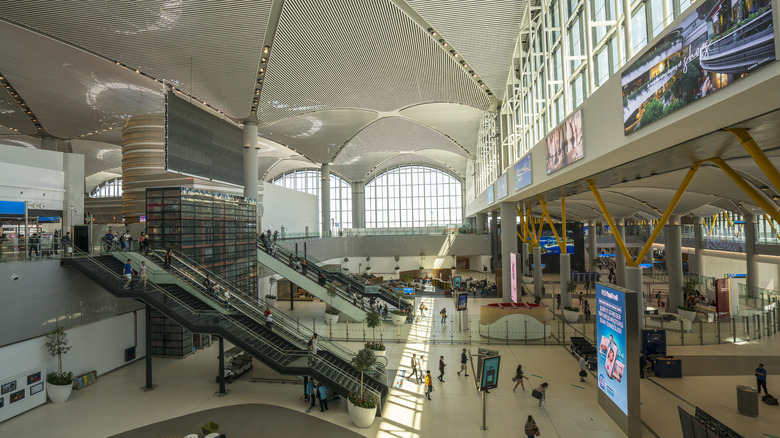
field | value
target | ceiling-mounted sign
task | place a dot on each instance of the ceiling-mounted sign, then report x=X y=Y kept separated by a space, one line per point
x=715 y=45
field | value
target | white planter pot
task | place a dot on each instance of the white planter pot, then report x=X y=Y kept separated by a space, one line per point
x=407 y=300
x=362 y=417
x=331 y=319
x=398 y=319
x=571 y=317
x=58 y=393
x=686 y=314
x=379 y=353
x=270 y=301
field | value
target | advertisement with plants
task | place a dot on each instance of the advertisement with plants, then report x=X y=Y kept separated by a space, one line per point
x=718 y=43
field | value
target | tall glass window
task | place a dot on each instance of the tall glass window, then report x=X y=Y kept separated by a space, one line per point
x=413 y=196
x=308 y=181
x=109 y=189
x=638 y=28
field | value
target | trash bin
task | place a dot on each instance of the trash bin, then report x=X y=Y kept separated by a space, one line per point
x=747 y=400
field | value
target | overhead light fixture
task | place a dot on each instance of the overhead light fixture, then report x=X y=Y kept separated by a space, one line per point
x=263 y=59
x=262 y=70
x=266 y=49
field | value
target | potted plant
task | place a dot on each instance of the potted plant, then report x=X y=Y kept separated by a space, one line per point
x=399 y=316
x=362 y=407
x=397 y=268
x=60 y=384
x=687 y=312
x=270 y=300
x=331 y=314
x=571 y=314
x=372 y=321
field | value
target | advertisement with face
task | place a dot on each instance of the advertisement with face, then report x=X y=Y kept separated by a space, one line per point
x=717 y=44
x=610 y=329
x=564 y=144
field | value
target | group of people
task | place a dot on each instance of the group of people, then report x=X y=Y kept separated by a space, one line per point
x=113 y=241
x=319 y=392
x=128 y=271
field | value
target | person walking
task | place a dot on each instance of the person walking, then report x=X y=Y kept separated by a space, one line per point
x=304 y=268
x=586 y=310
x=558 y=300
x=314 y=346
x=323 y=391
x=419 y=367
x=428 y=384
x=530 y=428
x=142 y=273
x=761 y=378
x=168 y=259
x=463 y=361
x=269 y=322
x=441 y=368
x=443 y=314
x=543 y=392
x=127 y=269
x=209 y=285
x=583 y=367
x=415 y=372
x=519 y=376
x=582 y=297
x=55 y=240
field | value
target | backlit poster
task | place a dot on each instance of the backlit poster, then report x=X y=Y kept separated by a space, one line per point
x=513 y=262
x=490 y=197
x=715 y=45
x=722 y=301
x=523 y=175
x=564 y=143
x=611 y=335
x=502 y=188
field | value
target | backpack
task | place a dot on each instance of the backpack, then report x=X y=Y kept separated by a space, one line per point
x=768 y=399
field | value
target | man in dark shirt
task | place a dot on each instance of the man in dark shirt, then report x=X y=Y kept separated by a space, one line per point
x=463 y=360
x=761 y=378
x=441 y=368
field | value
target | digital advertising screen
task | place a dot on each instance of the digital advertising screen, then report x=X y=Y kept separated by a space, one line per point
x=513 y=262
x=490 y=373
x=611 y=335
x=490 y=198
x=463 y=301
x=564 y=144
x=523 y=175
x=502 y=187
x=715 y=45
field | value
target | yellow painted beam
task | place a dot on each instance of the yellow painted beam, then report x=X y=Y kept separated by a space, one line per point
x=712 y=228
x=549 y=220
x=659 y=226
x=772 y=224
x=523 y=225
x=748 y=189
x=758 y=155
x=611 y=223
x=533 y=227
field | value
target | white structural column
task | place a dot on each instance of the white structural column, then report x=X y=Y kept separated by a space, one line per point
x=538 y=271
x=592 y=252
x=494 y=240
x=751 y=257
x=627 y=29
x=250 y=167
x=481 y=223
x=696 y=264
x=325 y=189
x=620 y=258
x=524 y=265
x=589 y=48
x=673 y=259
x=634 y=283
x=359 y=204
x=508 y=246
x=565 y=262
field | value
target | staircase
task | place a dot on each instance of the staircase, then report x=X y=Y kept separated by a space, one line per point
x=283 y=348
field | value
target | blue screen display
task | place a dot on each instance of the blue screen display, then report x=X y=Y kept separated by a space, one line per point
x=611 y=333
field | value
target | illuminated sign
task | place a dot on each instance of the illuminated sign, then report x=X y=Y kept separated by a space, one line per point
x=611 y=333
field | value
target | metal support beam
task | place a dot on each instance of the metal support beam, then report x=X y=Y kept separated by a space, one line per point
x=608 y=217
x=222 y=365
x=758 y=155
x=750 y=191
x=149 y=385
x=563 y=222
x=552 y=226
x=661 y=222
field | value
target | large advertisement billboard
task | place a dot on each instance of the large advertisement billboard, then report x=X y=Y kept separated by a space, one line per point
x=513 y=262
x=564 y=144
x=716 y=44
x=523 y=176
x=611 y=333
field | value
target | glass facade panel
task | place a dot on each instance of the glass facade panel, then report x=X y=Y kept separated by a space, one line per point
x=308 y=181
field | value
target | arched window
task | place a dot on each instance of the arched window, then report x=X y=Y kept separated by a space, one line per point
x=413 y=196
x=308 y=181
x=109 y=189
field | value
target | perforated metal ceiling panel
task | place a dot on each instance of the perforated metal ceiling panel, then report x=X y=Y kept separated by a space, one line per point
x=407 y=159
x=12 y=116
x=398 y=134
x=63 y=88
x=209 y=47
x=357 y=54
x=483 y=32
x=319 y=135
x=355 y=168
x=459 y=122
x=98 y=156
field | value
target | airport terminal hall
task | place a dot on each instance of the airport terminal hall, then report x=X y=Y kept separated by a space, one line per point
x=389 y=218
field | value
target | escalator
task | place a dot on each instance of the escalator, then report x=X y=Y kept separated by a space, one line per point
x=282 y=348
x=279 y=263
x=338 y=279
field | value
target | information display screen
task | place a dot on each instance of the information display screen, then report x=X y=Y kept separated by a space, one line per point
x=611 y=333
x=490 y=373
x=523 y=175
x=463 y=301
